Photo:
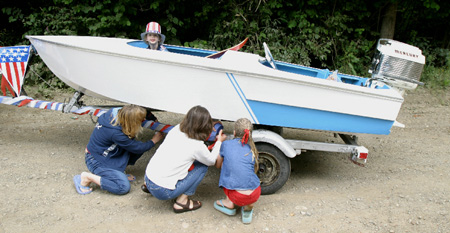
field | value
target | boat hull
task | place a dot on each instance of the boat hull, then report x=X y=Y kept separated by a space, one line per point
x=234 y=86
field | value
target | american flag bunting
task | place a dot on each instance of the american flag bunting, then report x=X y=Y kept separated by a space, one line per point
x=13 y=64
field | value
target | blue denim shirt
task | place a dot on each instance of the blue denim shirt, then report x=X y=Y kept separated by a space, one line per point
x=238 y=168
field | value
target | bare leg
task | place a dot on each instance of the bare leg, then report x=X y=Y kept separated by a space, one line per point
x=88 y=178
x=226 y=202
x=248 y=207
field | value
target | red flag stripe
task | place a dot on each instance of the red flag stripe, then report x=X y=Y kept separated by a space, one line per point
x=9 y=76
x=17 y=81
x=164 y=128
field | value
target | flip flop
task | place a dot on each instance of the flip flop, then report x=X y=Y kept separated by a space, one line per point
x=246 y=216
x=78 y=186
x=130 y=177
x=224 y=209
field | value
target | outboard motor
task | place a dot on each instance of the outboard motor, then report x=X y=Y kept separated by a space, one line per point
x=397 y=64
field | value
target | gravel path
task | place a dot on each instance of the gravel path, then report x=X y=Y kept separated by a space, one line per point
x=405 y=186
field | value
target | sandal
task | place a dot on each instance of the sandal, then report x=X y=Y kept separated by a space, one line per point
x=222 y=208
x=185 y=207
x=144 y=188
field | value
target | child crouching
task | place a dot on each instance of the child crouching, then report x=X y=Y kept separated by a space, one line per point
x=238 y=161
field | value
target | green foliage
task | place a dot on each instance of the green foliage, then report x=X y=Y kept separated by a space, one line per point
x=436 y=74
x=436 y=77
x=200 y=44
x=38 y=74
x=338 y=35
x=84 y=18
x=303 y=32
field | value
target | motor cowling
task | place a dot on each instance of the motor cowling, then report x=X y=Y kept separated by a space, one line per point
x=398 y=64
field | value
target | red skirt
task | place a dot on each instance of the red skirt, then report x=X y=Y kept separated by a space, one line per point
x=242 y=199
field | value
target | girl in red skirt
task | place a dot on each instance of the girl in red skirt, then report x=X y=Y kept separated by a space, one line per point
x=238 y=162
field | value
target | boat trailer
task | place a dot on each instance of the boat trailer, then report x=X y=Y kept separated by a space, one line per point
x=275 y=153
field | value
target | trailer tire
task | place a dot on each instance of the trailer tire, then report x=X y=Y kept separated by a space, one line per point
x=274 y=168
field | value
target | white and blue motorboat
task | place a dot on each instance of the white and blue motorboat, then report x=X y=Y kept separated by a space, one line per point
x=236 y=85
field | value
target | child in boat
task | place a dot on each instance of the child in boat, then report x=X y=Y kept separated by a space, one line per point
x=112 y=147
x=181 y=161
x=238 y=161
x=153 y=37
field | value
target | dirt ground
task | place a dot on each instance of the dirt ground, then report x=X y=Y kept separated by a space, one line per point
x=405 y=186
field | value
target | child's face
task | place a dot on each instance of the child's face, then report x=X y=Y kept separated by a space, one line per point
x=152 y=38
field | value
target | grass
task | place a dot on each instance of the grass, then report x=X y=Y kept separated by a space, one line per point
x=436 y=77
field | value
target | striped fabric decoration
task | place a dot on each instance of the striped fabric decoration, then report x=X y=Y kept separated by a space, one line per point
x=13 y=64
x=157 y=126
x=153 y=27
x=90 y=110
x=56 y=106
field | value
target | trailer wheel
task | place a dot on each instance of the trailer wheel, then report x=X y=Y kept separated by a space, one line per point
x=274 y=168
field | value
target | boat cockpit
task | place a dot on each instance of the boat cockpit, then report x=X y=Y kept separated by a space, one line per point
x=270 y=62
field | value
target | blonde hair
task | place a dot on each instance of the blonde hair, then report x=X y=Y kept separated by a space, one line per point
x=197 y=124
x=239 y=130
x=130 y=119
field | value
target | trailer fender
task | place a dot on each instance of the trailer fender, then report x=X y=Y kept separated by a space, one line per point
x=262 y=135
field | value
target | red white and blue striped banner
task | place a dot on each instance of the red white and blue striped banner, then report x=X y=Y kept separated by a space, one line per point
x=90 y=110
x=32 y=103
x=157 y=126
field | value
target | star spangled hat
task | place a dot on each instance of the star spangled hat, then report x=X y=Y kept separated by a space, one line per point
x=153 y=27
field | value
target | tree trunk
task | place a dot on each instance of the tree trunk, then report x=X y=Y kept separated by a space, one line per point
x=388 y=21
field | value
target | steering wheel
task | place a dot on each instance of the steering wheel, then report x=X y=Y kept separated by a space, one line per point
x=269 y=57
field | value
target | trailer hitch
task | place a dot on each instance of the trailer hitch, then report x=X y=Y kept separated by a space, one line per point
x=74 y=102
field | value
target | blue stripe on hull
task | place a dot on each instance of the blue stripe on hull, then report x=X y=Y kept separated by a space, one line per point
x=294 y=117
